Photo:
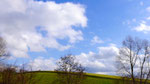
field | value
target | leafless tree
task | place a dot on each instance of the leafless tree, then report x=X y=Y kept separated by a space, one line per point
x=133 y=60
x=8 y=75
x=3 y=49
x=69 y=71
x=14 y=75
x=25 y=76
x=3 y=53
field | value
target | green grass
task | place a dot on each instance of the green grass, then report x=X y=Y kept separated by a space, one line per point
x=103 y=76
x=47 y=77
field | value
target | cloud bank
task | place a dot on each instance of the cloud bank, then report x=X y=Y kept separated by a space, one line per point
x=42 y=64
x=101 y=62
x=33 y=26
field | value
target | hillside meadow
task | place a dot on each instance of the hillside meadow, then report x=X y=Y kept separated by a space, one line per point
x=48 y=77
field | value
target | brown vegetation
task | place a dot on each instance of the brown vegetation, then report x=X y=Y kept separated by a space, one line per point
x=134 y=59
x=69 y=71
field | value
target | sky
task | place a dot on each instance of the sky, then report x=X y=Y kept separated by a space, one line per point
x=39 y=32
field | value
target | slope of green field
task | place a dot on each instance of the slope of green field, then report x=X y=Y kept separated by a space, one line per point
x=48 y=77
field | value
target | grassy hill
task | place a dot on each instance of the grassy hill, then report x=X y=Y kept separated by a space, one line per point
x=47 y=77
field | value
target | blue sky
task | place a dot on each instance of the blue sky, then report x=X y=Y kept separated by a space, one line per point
x=95 y=30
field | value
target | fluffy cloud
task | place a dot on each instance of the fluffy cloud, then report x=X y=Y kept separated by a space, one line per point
x=29 y=25
x=143 y=27
x=42 y=64
x=101 y=62
x=96 y=39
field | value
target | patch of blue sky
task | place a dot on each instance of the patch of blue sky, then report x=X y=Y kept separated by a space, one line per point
x=40 y=30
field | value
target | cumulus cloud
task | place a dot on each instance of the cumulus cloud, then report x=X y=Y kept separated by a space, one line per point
x=29 y=25
x=143 y=27
x=96 y=40
x=101 y=62
x=42 y=64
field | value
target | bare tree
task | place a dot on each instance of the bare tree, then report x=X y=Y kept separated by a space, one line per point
x=3 y=50
x=26 y=77
x=8 y=75
x=133 y=60
x=14 y=75
x=69 y=71
x=3 y=53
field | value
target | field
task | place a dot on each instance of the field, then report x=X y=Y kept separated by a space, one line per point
x=47 y=77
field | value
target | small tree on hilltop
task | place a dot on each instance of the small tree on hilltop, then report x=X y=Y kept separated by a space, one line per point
x=69 y=71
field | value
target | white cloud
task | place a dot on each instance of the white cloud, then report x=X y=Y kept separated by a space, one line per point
x=96 y=39
x=143 y=27
x=148 y=9
x=148 y=18
x=19 y=21
x=108 y=52
x=42 y=64
x=101 y=62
